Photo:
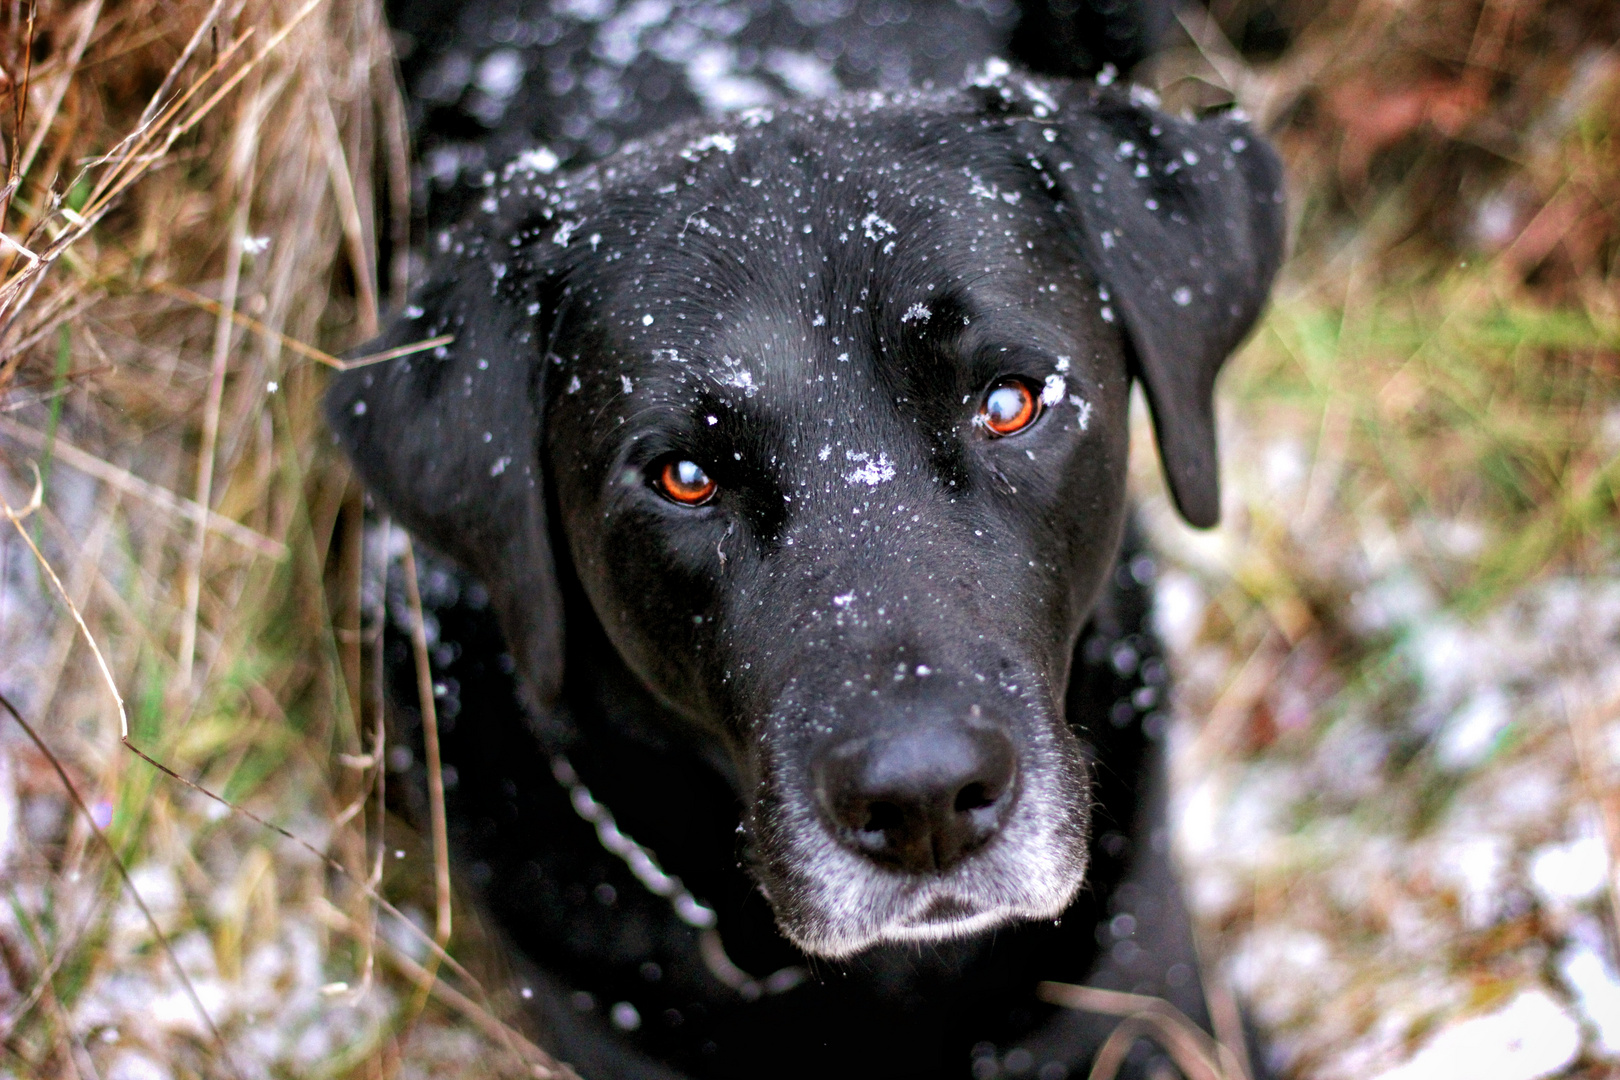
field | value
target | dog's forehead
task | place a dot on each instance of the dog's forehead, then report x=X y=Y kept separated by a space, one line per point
x=823 y=254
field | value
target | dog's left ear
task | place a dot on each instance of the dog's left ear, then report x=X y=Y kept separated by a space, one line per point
x=448 y=437
x=1182 y=222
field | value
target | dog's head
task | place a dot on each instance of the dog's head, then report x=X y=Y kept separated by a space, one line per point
x=828 y=410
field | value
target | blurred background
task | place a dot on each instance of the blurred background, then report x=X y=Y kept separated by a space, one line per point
x=1397 y=721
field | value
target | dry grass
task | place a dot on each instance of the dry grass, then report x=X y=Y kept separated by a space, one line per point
x=188 y=220
x=1398 y=659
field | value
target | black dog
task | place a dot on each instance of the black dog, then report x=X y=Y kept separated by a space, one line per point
x=810 y=427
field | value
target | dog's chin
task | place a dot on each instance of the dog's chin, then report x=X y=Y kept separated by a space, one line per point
x=833 y=903
x=928 y=911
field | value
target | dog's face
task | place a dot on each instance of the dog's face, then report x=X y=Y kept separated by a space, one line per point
x=831 y=408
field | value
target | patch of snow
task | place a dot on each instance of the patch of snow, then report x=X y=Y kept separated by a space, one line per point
x=1564 y=874
x=1471 y=734
x=1530 y=1037
x=1178 y=609
x=1596 y=990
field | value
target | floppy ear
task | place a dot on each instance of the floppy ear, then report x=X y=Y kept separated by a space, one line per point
x=449 y=438
x=1182 y=221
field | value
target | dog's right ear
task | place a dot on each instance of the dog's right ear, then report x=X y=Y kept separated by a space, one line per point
x=449 y=438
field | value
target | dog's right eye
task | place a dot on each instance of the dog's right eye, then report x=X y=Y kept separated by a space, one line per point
x=1010 y=407
x=682 y=481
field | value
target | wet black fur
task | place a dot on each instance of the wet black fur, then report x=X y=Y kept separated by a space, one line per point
x=589 y=935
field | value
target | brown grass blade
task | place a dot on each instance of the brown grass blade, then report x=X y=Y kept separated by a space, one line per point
x=435 y=775
x=1194 y=1052
x=542 y=1064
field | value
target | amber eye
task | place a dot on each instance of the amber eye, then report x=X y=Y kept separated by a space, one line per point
x=684 y=482
x=1009 y=407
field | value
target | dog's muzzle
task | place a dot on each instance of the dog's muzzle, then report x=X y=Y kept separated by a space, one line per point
x=924 y=824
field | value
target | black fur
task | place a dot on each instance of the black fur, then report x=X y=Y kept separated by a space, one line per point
x=811 y=300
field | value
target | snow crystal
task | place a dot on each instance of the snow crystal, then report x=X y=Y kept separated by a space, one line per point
x=875 y=227
x=844 y=600
x=995 y=69
x=1182 y=296
x=698 y=147
x=564 y=231
x=1083 y=407
x=538 y=160
x=737 y=376
x=1530 y=1037
x=629 y=387
x=1052 y=390
x=255 y=245
x=867 y=471
x=500 y=465
x=647 y=320
x=1044 y=103
x=916 y=312
x=978 y=188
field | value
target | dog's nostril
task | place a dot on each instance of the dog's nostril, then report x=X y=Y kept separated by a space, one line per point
x=973 y=797
x=883 y=817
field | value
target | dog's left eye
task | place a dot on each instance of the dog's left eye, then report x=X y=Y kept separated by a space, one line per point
x=684 y=482
x=1011 y=406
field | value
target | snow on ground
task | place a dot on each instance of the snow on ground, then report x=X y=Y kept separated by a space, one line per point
x=1387 y=823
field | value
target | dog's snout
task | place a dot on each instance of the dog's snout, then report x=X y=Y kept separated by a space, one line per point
x=919 y=798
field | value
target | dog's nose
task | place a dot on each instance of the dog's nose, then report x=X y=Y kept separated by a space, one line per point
x=920 y=798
